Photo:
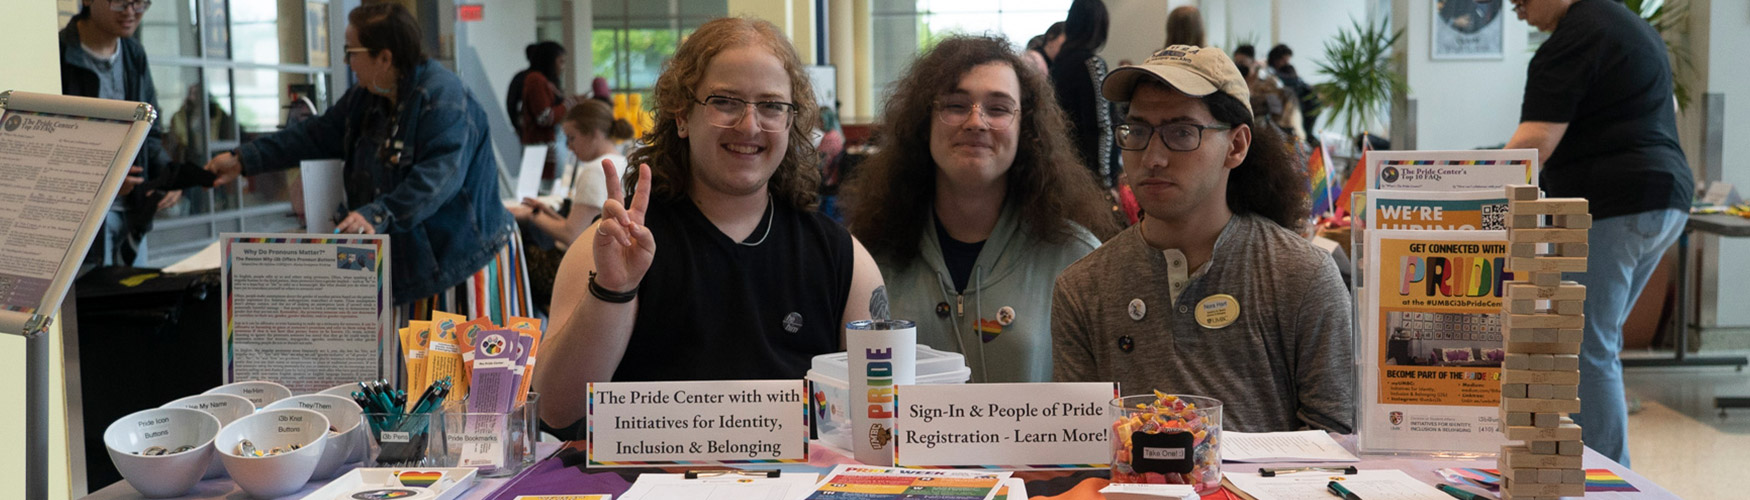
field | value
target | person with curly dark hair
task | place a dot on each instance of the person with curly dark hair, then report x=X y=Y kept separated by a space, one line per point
x=751 y=282
x=973 y=205
x=1214 y=292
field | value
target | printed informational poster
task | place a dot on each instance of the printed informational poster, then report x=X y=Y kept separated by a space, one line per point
x=1432 y=348
x=1005 y=426
x=1450 y=170
x=639 y=424
x=1484 y=210
x=863 y=482
x=307 y=312
x=52 y=169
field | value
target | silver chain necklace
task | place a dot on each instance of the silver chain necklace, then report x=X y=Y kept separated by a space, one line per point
x=770 y=210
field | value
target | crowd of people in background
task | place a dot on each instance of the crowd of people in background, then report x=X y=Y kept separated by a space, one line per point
x=1011 y=200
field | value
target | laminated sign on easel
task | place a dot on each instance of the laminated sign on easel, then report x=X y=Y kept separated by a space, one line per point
x=1542 y=324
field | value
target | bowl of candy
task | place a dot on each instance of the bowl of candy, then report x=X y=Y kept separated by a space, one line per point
x=1167 y=439
x=272 y=453
x=162 y=452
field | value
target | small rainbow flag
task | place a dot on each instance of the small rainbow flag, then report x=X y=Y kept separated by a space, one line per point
x=1324 y=186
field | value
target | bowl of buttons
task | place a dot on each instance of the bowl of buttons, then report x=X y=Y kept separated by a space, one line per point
x=344 y=432
x=162 y=452
x=227 y=407
x=272 y=453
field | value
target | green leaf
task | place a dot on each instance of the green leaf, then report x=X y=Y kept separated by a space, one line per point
x=1362 y=81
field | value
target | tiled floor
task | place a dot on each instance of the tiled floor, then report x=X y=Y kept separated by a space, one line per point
x=1679 y=440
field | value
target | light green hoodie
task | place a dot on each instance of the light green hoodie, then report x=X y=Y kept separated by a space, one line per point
x=1014 y=270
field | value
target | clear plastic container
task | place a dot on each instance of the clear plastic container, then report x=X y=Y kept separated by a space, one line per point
x=1167 y=439
x=498 y=444
x=403 y=440
x=829 y=381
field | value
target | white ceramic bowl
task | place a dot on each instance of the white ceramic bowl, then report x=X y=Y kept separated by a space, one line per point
x=342 y=390
x=260 y=392
x=168 y=475
x=343 y=416
x=278 y=475
x=227 y=407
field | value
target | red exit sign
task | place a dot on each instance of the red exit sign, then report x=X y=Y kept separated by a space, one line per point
x=470 y=13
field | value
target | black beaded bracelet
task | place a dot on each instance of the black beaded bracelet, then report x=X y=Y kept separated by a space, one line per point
x=610 y=296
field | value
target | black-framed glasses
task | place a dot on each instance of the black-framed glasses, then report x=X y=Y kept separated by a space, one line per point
x=138 y=6
x=1176 y=136
x=954 y=112
x=727 y=112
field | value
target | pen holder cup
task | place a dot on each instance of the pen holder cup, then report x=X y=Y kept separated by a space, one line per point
x=1170 y=440
x=498 y=444
x=406 y=440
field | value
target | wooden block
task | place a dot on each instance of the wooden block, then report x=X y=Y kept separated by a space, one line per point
x=1565 y=362
x=1529 y=221
x=1533 y=335
x=1542 y=447
x=1542 y=405
x=1548 y=206
x=1522 y=250
x=1510 y=496
x=1574 y=335
x=1564 y=391
x=1544 y=348
x=1512 y=419
x=1536 y=391
x=1542 y=321
x=1520 y=457
x=1522 y=192
x=1545 y=278
x=1545 y=264
x=1518 y=490
x=1565 y=432
x=1572 y=249
x=1574 y=476
x=1516 y=362
x=1541 y=362
x=1522 y=475
x=1571 y=447
x=1549 y=476
x=1546 y=235
x=1566 y=290
x=1569 y=307
x=1546 y=420
x=1521 y=307
x=1513 y=390
x=1574 y=221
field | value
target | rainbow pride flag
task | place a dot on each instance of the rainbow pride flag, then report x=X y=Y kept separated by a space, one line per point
x=1324 y=186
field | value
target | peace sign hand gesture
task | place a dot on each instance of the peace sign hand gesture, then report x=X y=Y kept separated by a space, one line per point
x=624 y=247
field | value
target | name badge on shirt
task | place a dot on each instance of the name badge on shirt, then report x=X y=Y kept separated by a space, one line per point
x=1217 y=311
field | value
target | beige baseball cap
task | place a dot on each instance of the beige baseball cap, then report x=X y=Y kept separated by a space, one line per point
x=1194 y=71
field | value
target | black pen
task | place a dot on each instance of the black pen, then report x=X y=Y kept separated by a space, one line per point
x=1337 y=489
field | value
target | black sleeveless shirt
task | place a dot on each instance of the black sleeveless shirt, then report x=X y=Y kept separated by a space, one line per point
x=714 y=309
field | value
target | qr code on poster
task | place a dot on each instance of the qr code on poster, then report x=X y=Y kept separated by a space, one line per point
x=1494 y=216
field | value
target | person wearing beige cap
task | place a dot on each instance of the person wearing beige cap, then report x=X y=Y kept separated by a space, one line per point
x=1232 y=303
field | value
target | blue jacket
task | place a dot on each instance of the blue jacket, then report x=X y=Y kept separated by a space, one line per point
x=437 y=199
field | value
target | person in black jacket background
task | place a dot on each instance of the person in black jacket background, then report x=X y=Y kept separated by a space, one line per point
x=1076 y=73
x=100 y=58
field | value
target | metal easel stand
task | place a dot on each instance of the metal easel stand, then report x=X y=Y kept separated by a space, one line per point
x=36 y=408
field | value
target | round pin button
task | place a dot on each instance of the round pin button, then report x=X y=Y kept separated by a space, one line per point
x=1006 y=316
x=1126 y=344
x=942 y=309
x=1137 y=309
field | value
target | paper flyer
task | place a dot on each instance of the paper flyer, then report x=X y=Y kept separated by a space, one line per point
x=1431 y=348
x=1450 y=170
x=861 y=482
x=307 y=312
x=1484 y=210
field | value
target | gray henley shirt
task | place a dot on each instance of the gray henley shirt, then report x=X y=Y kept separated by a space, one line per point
x=1285 y=364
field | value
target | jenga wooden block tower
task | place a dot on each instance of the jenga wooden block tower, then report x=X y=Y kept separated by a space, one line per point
x=1542 y=320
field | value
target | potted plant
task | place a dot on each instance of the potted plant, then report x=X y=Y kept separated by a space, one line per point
x=1362 y=81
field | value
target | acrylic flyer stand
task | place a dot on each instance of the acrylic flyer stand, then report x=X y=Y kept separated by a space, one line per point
x=62 y=161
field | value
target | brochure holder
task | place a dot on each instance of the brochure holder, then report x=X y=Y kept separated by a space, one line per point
x=67 y=157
